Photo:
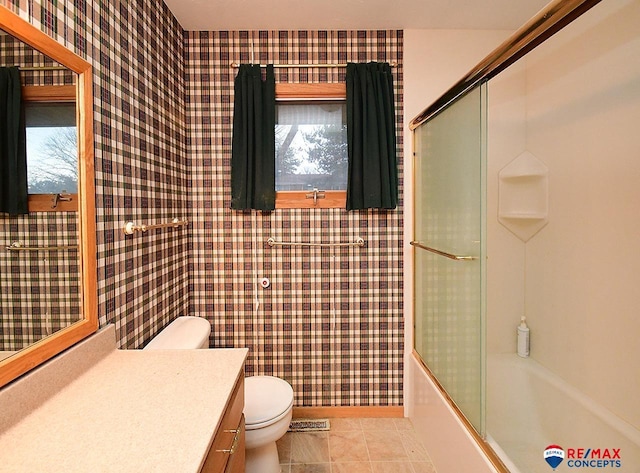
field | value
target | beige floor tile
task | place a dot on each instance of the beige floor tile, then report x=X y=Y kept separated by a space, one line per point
x=414 y=448
x=284 y=448
x=339 y=424
x=310 y=447
x=311 y=468
x=423 y=467
x=403 y=423
x=391 y=467
x=351 y=467
x=348 y=446
x=354 y=445
x=385 y=446
x=378 y=423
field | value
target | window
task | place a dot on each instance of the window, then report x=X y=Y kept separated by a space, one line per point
x=311 y=145
x=52 y=147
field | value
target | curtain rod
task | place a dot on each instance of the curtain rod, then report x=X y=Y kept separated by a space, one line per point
x=278 y=66
x=40 y=68
x=536 y=31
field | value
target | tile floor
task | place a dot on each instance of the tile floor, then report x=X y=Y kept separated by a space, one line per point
x=372 y=445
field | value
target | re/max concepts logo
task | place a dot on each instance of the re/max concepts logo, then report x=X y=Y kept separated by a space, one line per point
x=583 y=457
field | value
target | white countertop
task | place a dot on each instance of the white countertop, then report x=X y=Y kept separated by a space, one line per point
x=133 y=410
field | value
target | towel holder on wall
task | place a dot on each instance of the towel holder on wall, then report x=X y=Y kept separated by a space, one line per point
x=272 y=242
x=130 y=228
x=17 y=246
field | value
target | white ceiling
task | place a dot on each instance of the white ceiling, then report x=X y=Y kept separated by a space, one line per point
x=232 y=15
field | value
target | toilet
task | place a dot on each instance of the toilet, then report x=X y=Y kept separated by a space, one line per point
x=185 y=332
x=268 y=401
x=268 y=406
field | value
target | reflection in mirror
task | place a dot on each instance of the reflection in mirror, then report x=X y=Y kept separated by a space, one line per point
x=52 y=147
x=40 y=273
x=47 y=257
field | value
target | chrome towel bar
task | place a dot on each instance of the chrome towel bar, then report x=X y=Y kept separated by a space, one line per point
x=272 y=242
x=417 y=244
x=17 y=246
x=130 y=228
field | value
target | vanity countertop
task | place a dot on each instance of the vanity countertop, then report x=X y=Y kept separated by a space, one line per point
x=132 y=410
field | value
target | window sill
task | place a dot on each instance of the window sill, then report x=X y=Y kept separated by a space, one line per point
x=299 y=200
x=44 y=203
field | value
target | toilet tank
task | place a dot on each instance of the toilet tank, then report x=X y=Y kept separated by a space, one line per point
x=186 y=332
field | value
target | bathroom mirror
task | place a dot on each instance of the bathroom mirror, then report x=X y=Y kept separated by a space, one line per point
x=79 y=91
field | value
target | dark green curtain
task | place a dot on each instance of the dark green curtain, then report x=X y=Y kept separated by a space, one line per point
x=371 y=134
x=253 y=175
x=13 y=153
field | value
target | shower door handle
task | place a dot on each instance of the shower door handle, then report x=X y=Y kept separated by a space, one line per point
x=417 y=244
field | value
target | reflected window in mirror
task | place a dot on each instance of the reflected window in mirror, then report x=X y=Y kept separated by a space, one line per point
x=52 y=148
x=49 y=103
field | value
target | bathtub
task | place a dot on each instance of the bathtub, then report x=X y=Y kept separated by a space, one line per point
x=530 y=408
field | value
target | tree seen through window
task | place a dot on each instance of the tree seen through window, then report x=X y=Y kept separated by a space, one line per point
x=52 y=148
x=311 y=146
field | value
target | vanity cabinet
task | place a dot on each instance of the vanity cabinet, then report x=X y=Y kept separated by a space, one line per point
x=146 y=410
x=226 y=454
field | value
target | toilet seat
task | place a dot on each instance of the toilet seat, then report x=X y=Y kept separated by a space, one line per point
x=267 y=400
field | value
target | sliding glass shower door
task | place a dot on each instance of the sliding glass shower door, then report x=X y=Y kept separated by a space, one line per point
x=449 y=250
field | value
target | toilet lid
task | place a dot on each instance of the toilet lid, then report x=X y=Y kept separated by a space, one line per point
x=265 y=398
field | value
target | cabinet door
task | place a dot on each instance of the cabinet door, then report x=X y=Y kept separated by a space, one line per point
x=228 y=444
x=236 y=461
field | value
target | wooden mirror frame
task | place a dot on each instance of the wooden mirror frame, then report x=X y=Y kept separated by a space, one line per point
x=37 y=353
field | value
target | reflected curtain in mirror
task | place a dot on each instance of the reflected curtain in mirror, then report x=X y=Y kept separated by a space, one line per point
x=371 y=131
x=254 y=145
x=13 y=155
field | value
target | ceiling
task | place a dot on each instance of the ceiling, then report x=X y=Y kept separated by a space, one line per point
x=232 y=15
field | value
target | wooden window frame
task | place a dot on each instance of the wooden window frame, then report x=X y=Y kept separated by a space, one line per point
x=50 y=94
x=297 y=92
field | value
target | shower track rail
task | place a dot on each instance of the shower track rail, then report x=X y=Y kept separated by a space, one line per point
x=417 y=244
x=272 y=242
x=555 y=16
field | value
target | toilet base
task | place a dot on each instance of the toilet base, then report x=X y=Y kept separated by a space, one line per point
x=263 y=459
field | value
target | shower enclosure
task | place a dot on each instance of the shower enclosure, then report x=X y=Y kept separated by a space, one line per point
x=450 y=198
x=526 y=204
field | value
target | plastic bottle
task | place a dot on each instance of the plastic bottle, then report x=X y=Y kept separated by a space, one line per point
x=523 y=338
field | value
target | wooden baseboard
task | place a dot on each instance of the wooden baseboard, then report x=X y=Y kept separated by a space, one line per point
x=347 y=411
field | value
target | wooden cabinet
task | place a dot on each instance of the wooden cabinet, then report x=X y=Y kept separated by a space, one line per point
x=226 y=454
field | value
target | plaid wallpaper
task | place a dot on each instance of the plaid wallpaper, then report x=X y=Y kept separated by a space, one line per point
x=14 y=52
x=141 y=173
x=39 y=290
x=136 y=49
x=331 y=322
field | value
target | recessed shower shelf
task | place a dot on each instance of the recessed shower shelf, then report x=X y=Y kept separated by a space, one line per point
x=523 y=216
x=524 y=177
x=523 y=202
